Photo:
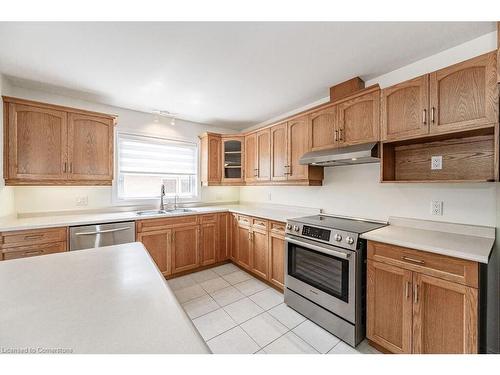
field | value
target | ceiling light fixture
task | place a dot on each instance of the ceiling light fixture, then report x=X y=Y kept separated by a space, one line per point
x=164 y=113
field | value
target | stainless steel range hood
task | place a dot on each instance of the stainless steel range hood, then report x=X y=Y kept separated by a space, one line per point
x=357 y=154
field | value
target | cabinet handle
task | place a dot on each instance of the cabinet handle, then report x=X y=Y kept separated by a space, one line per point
x=341 y=134
x=424 y=116
x=33 y=252
x=336 y=135
x=70 y=167
x=173 y=237
x=407 y=289
x=433 y=110
x=415 y=294
x=418 y=261
x=65 y=167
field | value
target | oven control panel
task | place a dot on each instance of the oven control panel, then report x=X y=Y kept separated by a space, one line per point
x=318 y=233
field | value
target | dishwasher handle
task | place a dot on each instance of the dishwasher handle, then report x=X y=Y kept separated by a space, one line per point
x=101 y=231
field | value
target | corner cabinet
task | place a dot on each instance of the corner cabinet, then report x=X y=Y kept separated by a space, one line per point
x=46 y=144
x=419 y=302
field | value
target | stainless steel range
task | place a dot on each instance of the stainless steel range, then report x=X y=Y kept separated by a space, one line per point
x=325 y=272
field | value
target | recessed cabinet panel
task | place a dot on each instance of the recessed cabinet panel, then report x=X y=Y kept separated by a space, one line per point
x=251 y=172
x=323 y=124
x=260 y=255
x=90 y=147
x=264 y=155
x=37 y=143
x=279 y=163
x=158 y=245
x=185 y=244
x=404 y=109
x=299 y=142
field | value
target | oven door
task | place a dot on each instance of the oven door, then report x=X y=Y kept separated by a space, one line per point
x=322 y=273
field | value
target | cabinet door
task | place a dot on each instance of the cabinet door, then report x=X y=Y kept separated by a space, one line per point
x=445 y=316
x=234 y=237
x=243 y=253
x=251 y=157
x=260 y=255
x=464 y=95
x=279 y=163
x=208 y=243
x=223 y=236
x=214 y=160
x=90 y=147
x=359 y=119
x=277 y=260
x=185 y=245
x=37 y=143
x=233 y=153
x=322 y=128
x=404 y=109
x=299 y=142
x=264 y=155
x=389 y=307
x=157 y=243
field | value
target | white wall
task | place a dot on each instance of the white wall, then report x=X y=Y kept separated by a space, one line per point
x=42 y=199
x=6 y=192
x=356 y=191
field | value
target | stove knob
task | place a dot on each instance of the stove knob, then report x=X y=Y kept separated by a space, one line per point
x=349 y=240
x=289 y=226
x=296 y=228
x=337 y=237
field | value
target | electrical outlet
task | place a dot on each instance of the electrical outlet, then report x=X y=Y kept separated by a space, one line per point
x=437 y=208
x=437 y=162
x=82 y=201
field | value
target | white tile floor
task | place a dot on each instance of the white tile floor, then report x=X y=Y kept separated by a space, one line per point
x=237 y=313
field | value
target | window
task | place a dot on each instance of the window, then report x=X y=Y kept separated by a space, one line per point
x=144 y=163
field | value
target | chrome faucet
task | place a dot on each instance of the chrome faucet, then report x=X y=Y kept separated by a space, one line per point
x=162 y=195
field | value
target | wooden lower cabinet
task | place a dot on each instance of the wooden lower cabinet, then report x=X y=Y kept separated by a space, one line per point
x=185 y=245
x=158 y=245
x=223 y=249
x=411 y=311
x=259 y=250
x=33 y=242
x=243 y=247
x=389 y=305
x=277 y=259
x=208 y=243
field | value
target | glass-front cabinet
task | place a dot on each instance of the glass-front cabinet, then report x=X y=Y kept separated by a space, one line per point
x=232 y=159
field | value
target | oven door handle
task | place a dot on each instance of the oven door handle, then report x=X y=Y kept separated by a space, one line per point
x=319 y=248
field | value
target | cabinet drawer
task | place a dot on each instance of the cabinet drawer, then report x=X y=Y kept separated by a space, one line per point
x=259 y=224
x=158 y=224
x=208 y=218
x=278 y=228
x=448 y=268
x=32 y=237
x=244 y=220
x=34 y=250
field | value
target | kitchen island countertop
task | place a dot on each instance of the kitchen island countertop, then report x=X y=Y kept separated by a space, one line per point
x=107 y=300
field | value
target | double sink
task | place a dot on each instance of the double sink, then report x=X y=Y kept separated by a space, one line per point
x=163 y=212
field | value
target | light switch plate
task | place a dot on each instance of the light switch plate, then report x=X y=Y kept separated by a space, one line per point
x=437 y=208
x=436 y=162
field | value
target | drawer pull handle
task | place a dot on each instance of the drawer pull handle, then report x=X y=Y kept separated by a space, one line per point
x=418 y=261
x=33 y=237
x=415 y=294
x=407 y=289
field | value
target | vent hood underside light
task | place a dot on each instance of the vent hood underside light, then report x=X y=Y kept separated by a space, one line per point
x=349 y=155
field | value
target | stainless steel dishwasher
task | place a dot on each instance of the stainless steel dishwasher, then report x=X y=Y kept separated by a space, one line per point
x=98 y=235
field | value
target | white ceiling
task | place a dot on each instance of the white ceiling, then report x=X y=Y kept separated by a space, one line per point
x=226 y=74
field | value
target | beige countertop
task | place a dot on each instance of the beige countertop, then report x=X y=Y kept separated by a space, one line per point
x=462 y=241
x=107 y=300
x=270 y=212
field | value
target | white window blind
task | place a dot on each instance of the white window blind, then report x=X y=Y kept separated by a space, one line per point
x=145 y=163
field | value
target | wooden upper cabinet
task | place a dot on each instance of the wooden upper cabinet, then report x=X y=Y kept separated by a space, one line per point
x=211 y=159
x=250 y=157
x=404 y=109
x=157 y=243
x=445 y=316
x=299 y=142
x=359 y=119
x=90 y=147
x=233 y=155
x=279 y=163
x=36 y=144
x=464 y=95
x=52 y=145
x=323 y=124
x=263 y=155
x=389 y=307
